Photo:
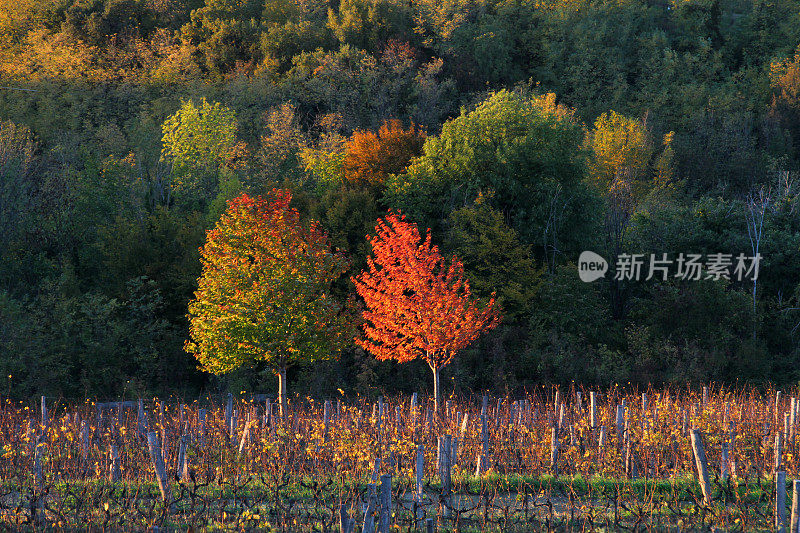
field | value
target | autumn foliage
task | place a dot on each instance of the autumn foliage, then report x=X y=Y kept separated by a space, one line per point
x=264 y=292
x=417 y=305
x=371 y=157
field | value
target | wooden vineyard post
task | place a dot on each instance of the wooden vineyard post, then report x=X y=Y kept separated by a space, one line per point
x=601 y=442
x=201 y=418
x=114 y=470
x=245 y=434
x=45 y=420
x=344 y=521
x=369 y=514
x=483 y=457
x=429 y=526
x=630 y=460
x=723 y=463
x=141 y=423
x=165 y=447
x=795 y=523
x=592 y=410
x=376 y=469
x=325 y=419
x=620 y=421
x=444 y=474
x=439 y=453
x=38 y=474
x=381 y=414
x=385 y=503
x=85 y=438
x=161 y=472
x=232 y=425
x=780 y=501
x=183 y=459
x=554 y=451
x=702 y=465
x=228 y=410
x=346 y=524
x=419 y=510
x=778 y=452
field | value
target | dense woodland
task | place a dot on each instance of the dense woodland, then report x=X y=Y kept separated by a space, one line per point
x=520 y=131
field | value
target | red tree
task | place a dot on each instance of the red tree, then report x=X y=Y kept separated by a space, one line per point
x=416 y=304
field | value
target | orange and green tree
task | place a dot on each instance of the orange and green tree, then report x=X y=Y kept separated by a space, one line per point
x=418 y=305
x=264 y=294
x=371 y=157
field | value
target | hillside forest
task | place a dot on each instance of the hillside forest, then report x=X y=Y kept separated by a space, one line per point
x=521 y=132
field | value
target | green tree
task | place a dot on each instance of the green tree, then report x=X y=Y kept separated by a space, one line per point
x=264 y=294
x=199 y=140
x=281 y=145
x=494 y=259
x=695 y=331
x=83 y=344
x=226 y=34
x=370 y=24
x=17 y=184
x=525 y=151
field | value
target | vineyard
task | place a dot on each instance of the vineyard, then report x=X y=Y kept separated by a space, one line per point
x=553 y=460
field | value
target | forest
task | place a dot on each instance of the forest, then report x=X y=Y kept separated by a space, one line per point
x=521 y=132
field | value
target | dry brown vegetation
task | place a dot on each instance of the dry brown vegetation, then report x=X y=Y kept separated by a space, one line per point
x=245 y=468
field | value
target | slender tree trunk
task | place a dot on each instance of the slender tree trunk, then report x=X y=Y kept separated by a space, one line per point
x=282 y=390
x=436 y=370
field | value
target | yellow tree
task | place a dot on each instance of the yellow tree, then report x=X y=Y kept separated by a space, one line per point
x=619 y=146
x=371 y=157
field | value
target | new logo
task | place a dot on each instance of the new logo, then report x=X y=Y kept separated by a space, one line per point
x=591 y=266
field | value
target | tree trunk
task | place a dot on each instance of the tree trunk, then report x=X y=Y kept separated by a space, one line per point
x=282 y=391
x=436 y=370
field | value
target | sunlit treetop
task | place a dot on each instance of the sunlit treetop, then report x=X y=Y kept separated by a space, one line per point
x=418 y=305
x=264 y=292
x=371 y=157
